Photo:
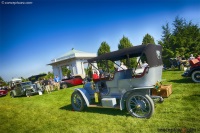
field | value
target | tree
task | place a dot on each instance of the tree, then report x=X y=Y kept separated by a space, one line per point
x=2 y=82
x=104 y=48
x=166 y=44
x=24 y=79
x=148 y=39
x=183 y=40
x=125 y=43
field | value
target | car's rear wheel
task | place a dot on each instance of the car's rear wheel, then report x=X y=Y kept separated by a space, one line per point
x=78 y=103
x=196 y=76
x=141 y=106
x=64 y=86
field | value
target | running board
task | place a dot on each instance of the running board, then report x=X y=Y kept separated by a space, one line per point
x=99 y=106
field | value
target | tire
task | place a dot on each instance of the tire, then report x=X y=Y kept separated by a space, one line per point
x=64 y=86
x=77 y=101
x=140 y=106
x=12 y=95
x=28 y=93
x=196 y=76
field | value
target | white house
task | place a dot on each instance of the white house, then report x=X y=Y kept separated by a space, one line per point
x=74 y=60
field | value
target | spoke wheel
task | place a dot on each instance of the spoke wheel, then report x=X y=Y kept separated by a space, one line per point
x=28 y=93
x=196 y=76
x=140 y=106
x=77 y=101
x=12 y=95
x=64 y=86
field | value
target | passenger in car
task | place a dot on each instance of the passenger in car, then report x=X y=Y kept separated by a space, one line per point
x=122 y=67
x=144 y=64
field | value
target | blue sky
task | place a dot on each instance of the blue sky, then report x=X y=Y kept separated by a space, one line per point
x=32 y=35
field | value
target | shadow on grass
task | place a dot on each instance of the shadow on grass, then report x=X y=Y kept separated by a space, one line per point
x=192 y=98
x=107 y=111
x=183 y=80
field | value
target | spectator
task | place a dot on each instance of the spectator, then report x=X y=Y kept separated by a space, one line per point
x=179 y=62
x=57 y=82
x=122 y=67
x=38 y=86
x=191 y=57
x=101 y=75
x=65 y=77
x=46 y=85
x=51 y=84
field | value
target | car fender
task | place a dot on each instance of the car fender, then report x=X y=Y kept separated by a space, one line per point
x=85 y=94
x=194 y=69
x=142 y=90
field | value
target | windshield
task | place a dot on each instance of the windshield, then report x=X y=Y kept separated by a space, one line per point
x=26 y=83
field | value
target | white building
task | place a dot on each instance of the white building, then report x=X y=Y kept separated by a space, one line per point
x=74 y=60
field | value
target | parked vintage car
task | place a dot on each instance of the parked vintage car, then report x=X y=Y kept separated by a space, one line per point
x=71 y=81
x=127 y=88
x=23 y=89
x=194 y=70
x=3 y=91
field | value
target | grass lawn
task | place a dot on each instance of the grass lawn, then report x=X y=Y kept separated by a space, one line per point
x=52 y=113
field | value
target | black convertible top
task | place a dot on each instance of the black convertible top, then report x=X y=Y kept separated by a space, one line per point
x=153 y=53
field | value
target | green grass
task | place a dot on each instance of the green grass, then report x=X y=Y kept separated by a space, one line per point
x=52 y=113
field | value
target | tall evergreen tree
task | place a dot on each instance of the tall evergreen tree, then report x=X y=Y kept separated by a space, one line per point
x=125 y=43
x=148 y=39
x=184 y=39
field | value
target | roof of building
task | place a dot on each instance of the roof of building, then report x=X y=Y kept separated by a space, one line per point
x=73 y=54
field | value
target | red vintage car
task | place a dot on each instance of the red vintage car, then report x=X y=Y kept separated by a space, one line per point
x=71 y=81
x=3 y=92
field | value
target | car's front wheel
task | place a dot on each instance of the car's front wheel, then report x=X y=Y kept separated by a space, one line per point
x=28 y=93
x=64 y=86
x=78 y=103
x=196 y=76
x=12 y=95
x=141 y=106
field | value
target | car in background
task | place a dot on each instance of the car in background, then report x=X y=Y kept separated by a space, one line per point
x=3 y=91
x=71 y=81
x=23 y=89
x=194 y=70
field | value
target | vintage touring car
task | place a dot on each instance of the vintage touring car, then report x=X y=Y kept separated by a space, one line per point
x=130 y=88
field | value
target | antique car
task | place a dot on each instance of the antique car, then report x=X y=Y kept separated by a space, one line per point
x=194 y=70
x=3 y=91
x=71 y=81
x=23 y=89
x=127 y=88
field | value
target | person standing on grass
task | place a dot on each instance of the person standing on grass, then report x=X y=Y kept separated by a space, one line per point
x=191 y=57
x=51 y=84
x=46 y=84
x=57 y=82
